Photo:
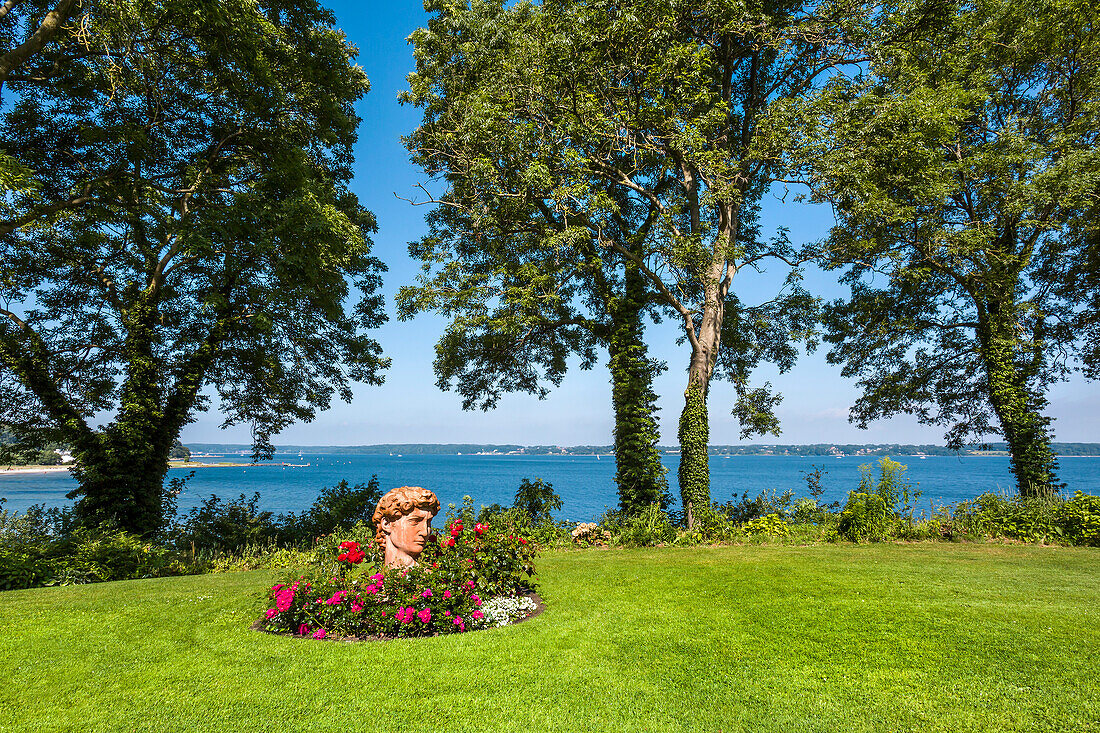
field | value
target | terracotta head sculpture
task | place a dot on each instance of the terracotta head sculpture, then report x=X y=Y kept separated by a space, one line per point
x=403 y=522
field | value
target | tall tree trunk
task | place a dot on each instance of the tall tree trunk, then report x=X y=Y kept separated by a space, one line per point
x=1016 y=404
x=694 y=433
x=122 y=484
x=640 y=476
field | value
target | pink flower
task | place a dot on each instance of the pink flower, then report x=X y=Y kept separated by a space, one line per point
x=284 y=599
x=303 y=629
x=275 y=588
x=356 y=607
x=270 y=612
x=446 y=594
x=372 y=589
x=377 y=578
x=477 y=601
x=425 y=615
x=319 y=634
x=478 y=615
x=427 y=593
x=447 y=614
x=458 y=621
x=469 y=584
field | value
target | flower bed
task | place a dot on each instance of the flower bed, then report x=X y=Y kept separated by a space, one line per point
x=474 y=579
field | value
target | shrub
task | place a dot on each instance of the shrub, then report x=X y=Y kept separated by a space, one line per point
x=225 y=526
x=712 y=525
x=498 y=563
x=990 y=515
x=96 y=555
x=338 y=507
x=1079 y=519
x=771 y=525
x=20 y=570
x=651 y=526
x=537 y=500
x=865 y=517
x=746 y=509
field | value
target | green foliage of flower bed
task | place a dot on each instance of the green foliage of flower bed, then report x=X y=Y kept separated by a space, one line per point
x=347 y=592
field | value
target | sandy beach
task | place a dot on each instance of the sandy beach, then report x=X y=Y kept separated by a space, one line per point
x=22 y=470
x=39 y=470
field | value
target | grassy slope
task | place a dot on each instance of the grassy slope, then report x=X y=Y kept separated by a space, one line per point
x=884 y=637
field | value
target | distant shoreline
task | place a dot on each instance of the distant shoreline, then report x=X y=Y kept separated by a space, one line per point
x=23 y=470
x=32 y=470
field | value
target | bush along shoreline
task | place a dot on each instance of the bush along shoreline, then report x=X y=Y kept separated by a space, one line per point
x=43 y=546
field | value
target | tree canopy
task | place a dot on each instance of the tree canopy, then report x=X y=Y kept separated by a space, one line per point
x=625 y=135
x=176 y=215
x=963 y=167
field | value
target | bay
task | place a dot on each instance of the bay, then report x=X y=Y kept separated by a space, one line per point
x=585 y=483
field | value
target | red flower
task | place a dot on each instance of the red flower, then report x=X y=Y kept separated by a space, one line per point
x=349 y=545
x=456 y=529
x=450 y=542
x=480 y=529
x=522 y=541
x=342 y=556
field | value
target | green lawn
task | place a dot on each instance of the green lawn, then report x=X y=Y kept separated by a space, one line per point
x=846 y=638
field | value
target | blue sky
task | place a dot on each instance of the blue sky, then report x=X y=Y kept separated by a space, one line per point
x=409 y=408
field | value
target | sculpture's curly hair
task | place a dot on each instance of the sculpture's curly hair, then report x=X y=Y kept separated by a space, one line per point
x=399 y=502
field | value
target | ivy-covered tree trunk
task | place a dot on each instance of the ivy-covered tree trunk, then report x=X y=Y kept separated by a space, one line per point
x=640 y=476
x=1017 y=406
x=694 y=433
x=121 y=480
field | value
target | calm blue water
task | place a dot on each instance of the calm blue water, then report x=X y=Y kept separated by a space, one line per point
x=586 y=485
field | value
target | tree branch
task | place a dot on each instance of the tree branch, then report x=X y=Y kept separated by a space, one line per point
x=19 y=55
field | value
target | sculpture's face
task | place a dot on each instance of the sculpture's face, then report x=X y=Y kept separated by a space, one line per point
x=407 y=536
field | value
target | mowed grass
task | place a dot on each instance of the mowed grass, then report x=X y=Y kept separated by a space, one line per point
x=931 y=637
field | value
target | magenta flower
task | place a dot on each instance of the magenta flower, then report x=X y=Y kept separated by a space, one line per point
x=372 y=589
x=427 y=593
x=284 y=599
x=303 y=629
x=425 y=615
x=319 y=634
x=356 y=607
x=476 y=599
x=270 y=612
x=477 y=615
x=446 y=594
x=275 y=588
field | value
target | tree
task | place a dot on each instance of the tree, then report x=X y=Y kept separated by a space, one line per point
x=181 y=219
x=963 y=167
x=524 y=288
x=631 y=129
